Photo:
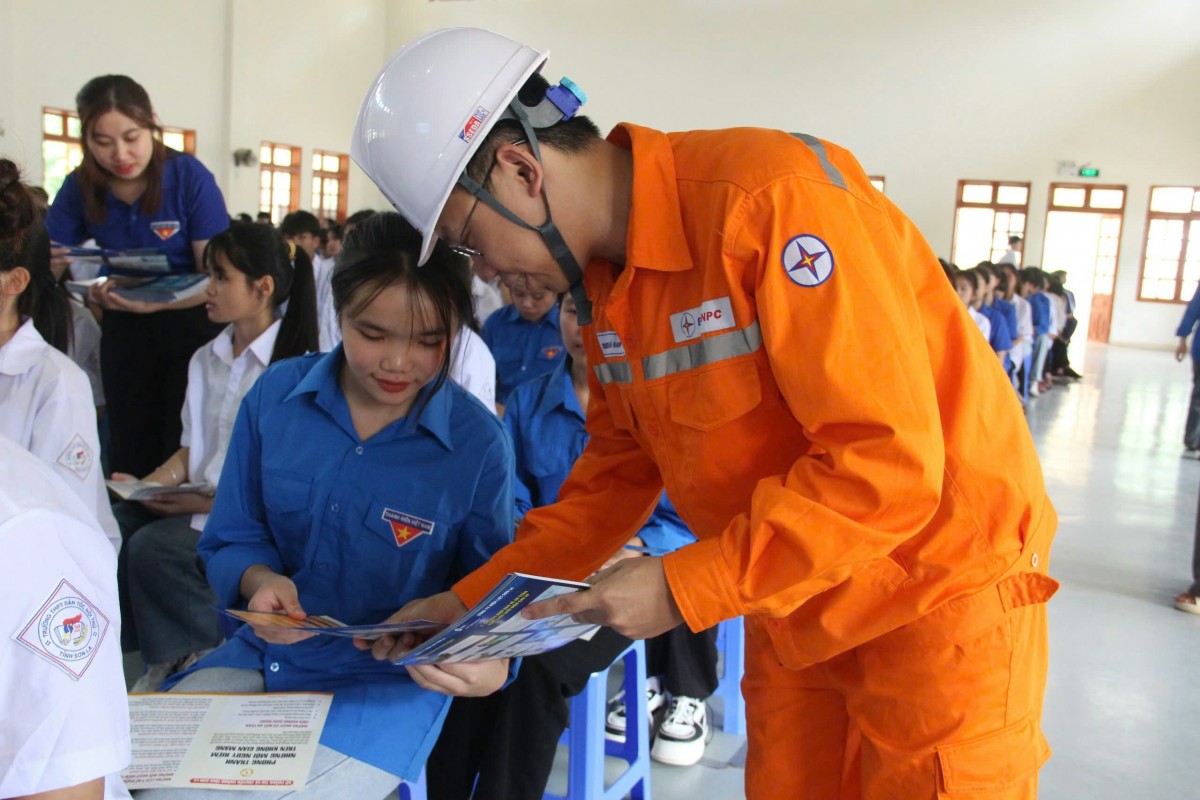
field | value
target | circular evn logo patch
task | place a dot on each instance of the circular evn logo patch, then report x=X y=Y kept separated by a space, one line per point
x=807 y=260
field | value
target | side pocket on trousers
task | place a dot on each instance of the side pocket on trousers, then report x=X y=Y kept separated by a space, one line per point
x=992 y=763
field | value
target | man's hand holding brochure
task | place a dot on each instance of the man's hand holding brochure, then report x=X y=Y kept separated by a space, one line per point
x=493 y=629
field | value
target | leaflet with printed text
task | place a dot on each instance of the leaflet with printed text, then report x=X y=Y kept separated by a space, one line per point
x=494 y=628
x=328 y=626
x=224 y=741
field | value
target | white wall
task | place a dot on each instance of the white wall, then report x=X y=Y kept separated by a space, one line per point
x=925 y=93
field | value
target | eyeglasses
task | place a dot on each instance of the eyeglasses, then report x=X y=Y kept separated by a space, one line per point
x=457 y=246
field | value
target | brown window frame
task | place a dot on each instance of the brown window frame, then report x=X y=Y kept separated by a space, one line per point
x=1187 y=218
x=274 y=169
x=341 y=178
x=994 y=205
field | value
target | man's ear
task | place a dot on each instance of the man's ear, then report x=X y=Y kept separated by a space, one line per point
x=14 y=282
x=518 y=161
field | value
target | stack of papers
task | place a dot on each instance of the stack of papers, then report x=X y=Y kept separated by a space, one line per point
x=147 y=490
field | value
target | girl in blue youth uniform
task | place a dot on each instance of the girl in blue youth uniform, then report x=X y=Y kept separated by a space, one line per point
x=502 y=747
x=131 y=191
x=355 y=481
x=524 y=338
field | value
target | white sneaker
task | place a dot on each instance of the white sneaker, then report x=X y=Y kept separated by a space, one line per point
x=614 y=721
x=684 y=733
x=1191 y=455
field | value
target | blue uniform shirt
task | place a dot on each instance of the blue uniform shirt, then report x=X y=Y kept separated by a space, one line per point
x=1039 y=307
x=1001 y=336
x=547 y=427
x=1009 y=311
x=361 y=527
x=523 y=350
x=1191 y=316
x=192 y=210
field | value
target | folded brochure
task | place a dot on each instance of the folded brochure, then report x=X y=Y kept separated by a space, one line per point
x=493 y=629
x=145 y=490
x=147 y=259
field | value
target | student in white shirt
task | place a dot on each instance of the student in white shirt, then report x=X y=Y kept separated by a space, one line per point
x=64 y=732
x=168 y=599
x=46 y=404
x=485 y=297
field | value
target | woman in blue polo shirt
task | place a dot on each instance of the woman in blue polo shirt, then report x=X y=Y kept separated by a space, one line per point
x=356 y=481
x=524 y=339
x=133 y=192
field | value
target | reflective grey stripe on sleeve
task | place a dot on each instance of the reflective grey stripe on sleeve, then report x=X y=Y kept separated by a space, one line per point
x=818 y=148
x=706 y=351
x=614 y=372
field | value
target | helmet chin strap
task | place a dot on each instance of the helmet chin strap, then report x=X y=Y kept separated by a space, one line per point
x=547 y=113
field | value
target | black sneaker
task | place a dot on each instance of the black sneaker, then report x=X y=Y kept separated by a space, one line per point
x=684 y=733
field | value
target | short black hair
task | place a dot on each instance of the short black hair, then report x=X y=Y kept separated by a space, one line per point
x=299 y=222
x=572 y=135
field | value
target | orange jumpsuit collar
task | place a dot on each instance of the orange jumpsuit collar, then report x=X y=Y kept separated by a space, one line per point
x=655 y=239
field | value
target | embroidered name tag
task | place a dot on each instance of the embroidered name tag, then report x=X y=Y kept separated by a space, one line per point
x=406 y=527
x=711 y=315
x=610 y=344
x=66 y=631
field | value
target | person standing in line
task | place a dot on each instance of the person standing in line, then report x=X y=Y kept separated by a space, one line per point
x=891 y=569
x=1187 y=326
x=131 y=191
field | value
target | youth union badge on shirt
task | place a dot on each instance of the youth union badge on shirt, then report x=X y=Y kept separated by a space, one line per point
x=77 y=457
x=807 y=260
x=166 y=228
x=66 y=631
x=406 y=527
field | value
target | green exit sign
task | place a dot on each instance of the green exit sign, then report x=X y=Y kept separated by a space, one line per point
x=1089 y=172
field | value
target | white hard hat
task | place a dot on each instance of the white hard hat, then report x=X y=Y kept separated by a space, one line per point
x=428 y=111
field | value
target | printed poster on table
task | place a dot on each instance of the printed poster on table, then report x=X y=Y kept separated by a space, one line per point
x=224 y=741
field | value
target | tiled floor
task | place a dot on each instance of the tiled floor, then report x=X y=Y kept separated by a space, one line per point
x=1121 y=713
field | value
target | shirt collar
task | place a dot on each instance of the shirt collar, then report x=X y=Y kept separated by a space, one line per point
x=261 y=348
x=560 y=391
x=323 y=382
x=23 y=350
x=655 y=239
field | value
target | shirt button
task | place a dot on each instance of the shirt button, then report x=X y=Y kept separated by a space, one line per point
x=336 y=507
x=1034 y=560
x=274 y=666
x=359 y=450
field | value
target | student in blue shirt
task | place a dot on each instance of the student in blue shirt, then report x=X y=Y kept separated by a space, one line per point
x=133 y=192
x=502 y=747
x=356 y=481
x=1032 y=283
x=524 y=338
x=1001 y=335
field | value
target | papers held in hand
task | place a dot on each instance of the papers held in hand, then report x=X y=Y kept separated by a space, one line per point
x=141 y=261
x=160 y=289
x=143 y=490
x=493 y=629
x=328 y=625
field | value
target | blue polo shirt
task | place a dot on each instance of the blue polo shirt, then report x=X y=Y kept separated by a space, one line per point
x=192 y=210
x=1191 y=315
x=1001 y=336
x=523 y=350
x=361 y=527
x=547 y=427
x=1039 y=307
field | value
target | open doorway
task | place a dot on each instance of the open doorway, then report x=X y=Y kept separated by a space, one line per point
x=1083 y=237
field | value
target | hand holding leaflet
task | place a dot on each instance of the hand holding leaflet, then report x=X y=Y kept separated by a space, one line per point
x=148 y=490
x=328 y=626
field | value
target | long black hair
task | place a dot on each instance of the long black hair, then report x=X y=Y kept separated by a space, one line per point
x=382 y=251
x=258 y=251
x=25 y=243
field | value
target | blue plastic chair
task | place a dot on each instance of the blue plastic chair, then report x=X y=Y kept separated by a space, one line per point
x=587 y=745
x=731 y=645
x=413 y=791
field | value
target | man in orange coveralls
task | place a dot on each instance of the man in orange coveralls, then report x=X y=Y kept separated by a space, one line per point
x=775 y=343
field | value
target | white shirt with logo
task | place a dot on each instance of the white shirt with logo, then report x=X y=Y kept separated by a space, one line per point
x=47 y=407
x=217 y=382
x=62 y=689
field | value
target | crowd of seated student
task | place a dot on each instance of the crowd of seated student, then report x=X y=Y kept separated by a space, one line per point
x=1024 y=314
x=185 y=384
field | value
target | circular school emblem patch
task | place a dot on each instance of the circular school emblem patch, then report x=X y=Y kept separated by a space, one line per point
x=807 y=260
